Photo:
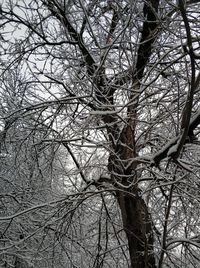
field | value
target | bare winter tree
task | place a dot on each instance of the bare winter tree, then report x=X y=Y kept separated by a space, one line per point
x=99 y=133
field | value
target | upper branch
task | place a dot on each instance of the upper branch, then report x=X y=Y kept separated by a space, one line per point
x=149 y=34
x=192 y=87
x=59 y=13
x=171 y=146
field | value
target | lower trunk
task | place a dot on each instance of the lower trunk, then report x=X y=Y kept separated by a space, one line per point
x=136 y=219
x=138 y=228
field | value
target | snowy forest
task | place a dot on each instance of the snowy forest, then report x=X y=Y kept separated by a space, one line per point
x=99 y=133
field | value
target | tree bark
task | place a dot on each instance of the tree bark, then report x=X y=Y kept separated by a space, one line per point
x=136 y=219
x=138 y=228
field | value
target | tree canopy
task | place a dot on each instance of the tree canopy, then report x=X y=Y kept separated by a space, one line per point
x=99 y=133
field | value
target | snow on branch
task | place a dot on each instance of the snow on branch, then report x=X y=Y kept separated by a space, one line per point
x=170 y=149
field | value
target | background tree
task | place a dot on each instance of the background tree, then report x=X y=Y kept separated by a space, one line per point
x=100 y=124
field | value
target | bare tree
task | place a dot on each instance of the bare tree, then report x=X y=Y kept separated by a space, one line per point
x=111 y=88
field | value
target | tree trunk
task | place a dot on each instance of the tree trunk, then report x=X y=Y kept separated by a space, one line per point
x=136 y=219
x=138 y=227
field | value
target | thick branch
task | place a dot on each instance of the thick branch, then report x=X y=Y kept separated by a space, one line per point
x=59 y=13
x=149 y=34
x=171 y=145
x=188 y=106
